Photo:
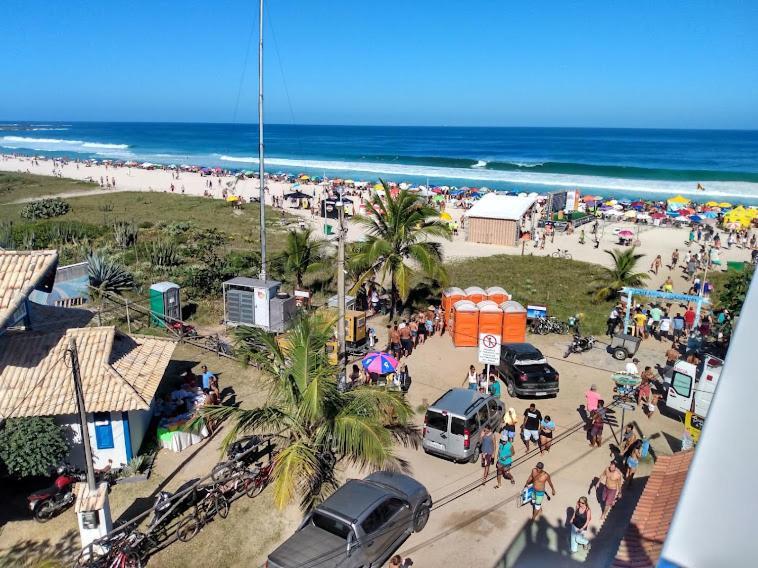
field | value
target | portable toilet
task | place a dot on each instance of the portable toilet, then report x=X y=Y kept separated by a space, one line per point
x=475 y=294
x=514 y=322
x=165 y=305
x=449 y=298
x=465 y=324
x=450 y=323
x=497 y=294
x=490 y=318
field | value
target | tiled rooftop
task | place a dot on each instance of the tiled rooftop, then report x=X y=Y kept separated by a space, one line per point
x=643 y=540
x=20 y=273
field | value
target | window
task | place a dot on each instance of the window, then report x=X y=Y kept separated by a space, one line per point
x=381 y=515
x=682 y=384
x=458 y=425
x=103 y=430
x=482 y=415
x=436 y=420
x=330 y=525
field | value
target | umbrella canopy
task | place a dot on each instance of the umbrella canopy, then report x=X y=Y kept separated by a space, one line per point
x=712 y=204
x=626 y=234
x=710 y=215
x=631 y=214
x=380 y=363
x=439 y=198
x=724 y=205
x=679 y=199
x=446 y=217
x=232 y=198
x=296 y=195
x=657 y=216
x=696 y=218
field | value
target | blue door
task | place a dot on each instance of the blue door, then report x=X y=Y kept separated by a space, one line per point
x=103 y=430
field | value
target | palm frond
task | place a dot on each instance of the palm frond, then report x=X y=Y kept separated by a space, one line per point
x=243 y=421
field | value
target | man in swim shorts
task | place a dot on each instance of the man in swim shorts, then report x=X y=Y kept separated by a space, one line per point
x=539 y=477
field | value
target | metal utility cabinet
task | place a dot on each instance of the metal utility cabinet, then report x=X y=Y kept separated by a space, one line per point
x=257 y=303
x=165 y=305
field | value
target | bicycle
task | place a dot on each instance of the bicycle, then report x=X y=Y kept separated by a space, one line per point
x=543 y=326
x=233 y=477
x=261 y=477
x=212 y=503
x=561 y=253
x=120 y=550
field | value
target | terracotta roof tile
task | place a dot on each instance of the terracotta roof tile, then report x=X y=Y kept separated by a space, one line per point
x=20 y=273
x=644 y=537
x=118 y=372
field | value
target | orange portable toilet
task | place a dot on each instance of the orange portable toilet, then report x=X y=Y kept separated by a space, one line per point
x=449 y=298
x=451 y=317
x=490 y=318
x=475 y=294
x=497 y=294
x=465 y=324
x=514 y=322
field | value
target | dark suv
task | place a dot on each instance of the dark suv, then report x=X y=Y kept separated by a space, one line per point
x=361 y=525
x=525 y=371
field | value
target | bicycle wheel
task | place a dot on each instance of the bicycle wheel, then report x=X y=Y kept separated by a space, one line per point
x=222 y=470
x=556 y=254
x=567 y=256
x=221 y=505
x=543 y=329
x=130 y=560
x=259 y=484
x=188 y=529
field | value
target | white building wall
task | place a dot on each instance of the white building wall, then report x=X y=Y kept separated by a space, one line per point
x=139 y=421
x=100 y=457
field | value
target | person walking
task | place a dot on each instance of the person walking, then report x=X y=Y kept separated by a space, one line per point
x=487 y=448
x=579 y=523
x=633 y=456
x=539 y=478
x=509 y=424
x=531 y=425
x=546 y=434
x=472 y=379
x=611 y=481
x=591 y=397
x=656 y=264
x=597 y=422
x=612 y=322
x=674 y=259
x=505 y=458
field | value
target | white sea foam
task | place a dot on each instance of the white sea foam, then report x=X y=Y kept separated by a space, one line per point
x=480 y=164
x=46 y=128
x=60 y=144
x=632 y=186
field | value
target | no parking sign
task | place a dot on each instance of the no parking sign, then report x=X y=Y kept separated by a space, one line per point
x=489 y=349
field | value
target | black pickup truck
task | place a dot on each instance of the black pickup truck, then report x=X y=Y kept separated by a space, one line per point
x=525 y=371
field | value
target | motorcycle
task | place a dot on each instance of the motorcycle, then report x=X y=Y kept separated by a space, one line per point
x=580 y=344
x=48 y=502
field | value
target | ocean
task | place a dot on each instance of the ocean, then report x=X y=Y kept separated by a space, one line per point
x=609 y=162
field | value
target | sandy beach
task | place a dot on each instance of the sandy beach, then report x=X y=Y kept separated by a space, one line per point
x=654 y=240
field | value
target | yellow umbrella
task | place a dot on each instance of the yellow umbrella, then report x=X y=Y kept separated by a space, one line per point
x=304 y=178
x=446 y=217
x=724 y=205
x=232 y=198
x=712 y=204
x=678 y=199
x=378 y=186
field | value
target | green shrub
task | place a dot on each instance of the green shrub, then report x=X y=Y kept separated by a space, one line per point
x=45 y=209
x=32 y=446
x=125 y=233
x=145 y=225
x=163 y=253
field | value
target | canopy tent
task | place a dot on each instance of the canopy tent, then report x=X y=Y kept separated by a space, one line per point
x=678 y=200
x=296 y=195
x=631 y=292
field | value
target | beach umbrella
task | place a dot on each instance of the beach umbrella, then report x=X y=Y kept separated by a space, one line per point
x=439 y=198
x=232 y=198
x=446 y=217
x=378 y=186
x=643 y=216
x=296 y=195
x=631 y=214
x=696 y=218
x=708 y=221
x=658 y=216
x=379 y=363
x=405 y=185
x=626 y=234
x=724 y=205
x=679 y=199
x=626 y=202
x=710 y=215
x=712 y=204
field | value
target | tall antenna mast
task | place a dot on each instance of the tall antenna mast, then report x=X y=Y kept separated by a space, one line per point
x=260 y=143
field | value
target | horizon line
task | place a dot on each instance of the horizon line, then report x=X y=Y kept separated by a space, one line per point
x=24 y=121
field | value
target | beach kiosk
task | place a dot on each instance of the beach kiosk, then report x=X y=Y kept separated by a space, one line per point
x=497 y=294
x=514 y=322
x=475 y=294
x=165 y=304
x=490 y=318
x=497 y=219
x=465 y=320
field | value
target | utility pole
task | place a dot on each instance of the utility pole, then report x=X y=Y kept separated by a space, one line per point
x=73 y=354
x=261 y=174
x=341 y=283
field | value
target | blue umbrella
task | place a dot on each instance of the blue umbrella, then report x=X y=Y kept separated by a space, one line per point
x=695 y=218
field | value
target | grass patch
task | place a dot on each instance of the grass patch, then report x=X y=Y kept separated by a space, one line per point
x=15 y=186
x=564 y=286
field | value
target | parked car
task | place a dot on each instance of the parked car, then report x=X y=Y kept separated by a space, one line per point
x=525 y=371
x=362 y=524
x=453 y=424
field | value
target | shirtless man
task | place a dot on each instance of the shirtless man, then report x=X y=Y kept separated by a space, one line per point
x=539 y=477
x=612 y=480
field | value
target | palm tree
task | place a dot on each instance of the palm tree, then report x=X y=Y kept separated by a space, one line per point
x=320 y=425
x=621 y=274
x=398 y=229
x=303 y=254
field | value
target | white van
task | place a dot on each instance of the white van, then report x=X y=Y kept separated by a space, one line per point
x=687 y=392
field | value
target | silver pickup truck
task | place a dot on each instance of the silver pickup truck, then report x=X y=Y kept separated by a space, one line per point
x=360 y=526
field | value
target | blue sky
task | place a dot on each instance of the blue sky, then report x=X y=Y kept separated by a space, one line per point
x=647 y=63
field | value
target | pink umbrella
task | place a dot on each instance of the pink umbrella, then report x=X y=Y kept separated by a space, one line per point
x=380 y=363
x=626 y=234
